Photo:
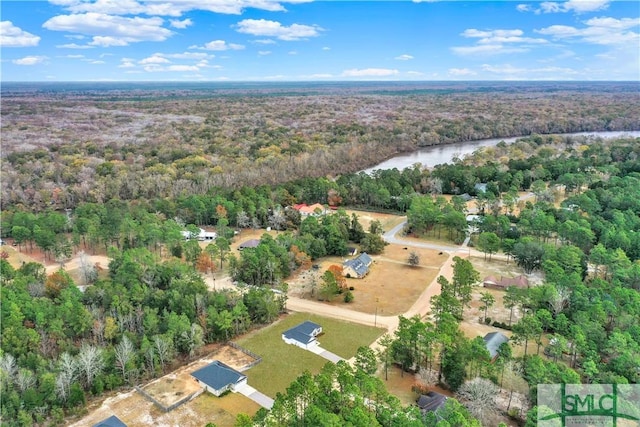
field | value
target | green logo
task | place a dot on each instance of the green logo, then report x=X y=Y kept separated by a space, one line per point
x=588 y=404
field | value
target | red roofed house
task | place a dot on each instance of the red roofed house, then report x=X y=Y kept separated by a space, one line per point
x=316 y=209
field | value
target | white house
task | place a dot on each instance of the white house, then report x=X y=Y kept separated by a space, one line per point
x=358 y=267
x=217 y=378
x=304 y=335
x=202 y=235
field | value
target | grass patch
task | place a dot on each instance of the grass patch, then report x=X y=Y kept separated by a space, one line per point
x=282 y=363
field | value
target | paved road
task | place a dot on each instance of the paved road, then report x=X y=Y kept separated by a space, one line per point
x=390 y=237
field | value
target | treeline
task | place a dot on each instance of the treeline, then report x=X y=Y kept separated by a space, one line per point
x=344 y=395
x=69 y=151
x=60 y=345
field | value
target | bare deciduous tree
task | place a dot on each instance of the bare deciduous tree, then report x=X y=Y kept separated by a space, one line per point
x=243 y=220
x=479 y=396
x=68 y=372
x=90 y=363
x=277 y=219
x=124 y=352
x=25 y=379
x=164 y=349
x=8 y=367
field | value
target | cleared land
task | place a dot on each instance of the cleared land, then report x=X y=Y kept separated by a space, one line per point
x=135 y=410
x=282 y=363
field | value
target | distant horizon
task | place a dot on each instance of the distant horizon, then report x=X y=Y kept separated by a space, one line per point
x=307 y=40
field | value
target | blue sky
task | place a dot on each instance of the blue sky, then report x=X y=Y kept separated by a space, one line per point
x=298 y=40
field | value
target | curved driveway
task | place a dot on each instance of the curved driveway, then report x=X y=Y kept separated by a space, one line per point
x=421 y=307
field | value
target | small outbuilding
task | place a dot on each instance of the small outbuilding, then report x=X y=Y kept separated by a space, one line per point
x=492 y=341
x=112 y=421
x=217 y=378
x=303 y=335
x=357 y=267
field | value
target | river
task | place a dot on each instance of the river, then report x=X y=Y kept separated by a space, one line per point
x=438 y=154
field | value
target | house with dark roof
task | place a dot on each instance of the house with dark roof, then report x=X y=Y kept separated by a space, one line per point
x=431 y=401
x=303 y=335
x=357 y=267
x=505 y=282
x=492 y=341
x=253 y=243
x=112 y=421
x=217 y=378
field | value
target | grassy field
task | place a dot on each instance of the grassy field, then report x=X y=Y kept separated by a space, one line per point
x=282 y=363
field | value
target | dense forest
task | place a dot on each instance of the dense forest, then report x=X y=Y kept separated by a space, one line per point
x=63 y=146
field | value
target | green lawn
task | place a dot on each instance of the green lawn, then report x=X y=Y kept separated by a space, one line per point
x=282 y=363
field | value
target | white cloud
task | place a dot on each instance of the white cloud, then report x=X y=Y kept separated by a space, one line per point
x=576 y=6
x=263 y=27
x=510 y=70
x=73 y=56
x=369 y=72
x=182 y=68
x=264 y=41
x=264 y=52
x=12 y=36
x=496 y=42
x=170 y=7
x=415 y=73
x=74 y=46
x=403 y=57
x=326 y=48
x=96 y=62
x=29 y=60
x=154 y=59
x=175 y=23
x=320 y=76
x=487 y=49
x=500 y=36
x=109 y=30
x=293 y=52
x=126 y=63
x=188 y=55
x=219 y=45
x=458 y=72
x=600 y=31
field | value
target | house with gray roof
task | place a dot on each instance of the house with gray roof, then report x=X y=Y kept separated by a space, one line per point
x=431 y=402
x=492 y=341
x=112 y=421
x=252 y=243
x=357 y=267
x=218 y=378
x=303 y=335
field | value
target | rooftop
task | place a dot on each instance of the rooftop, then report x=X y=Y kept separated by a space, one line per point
x=217 y=375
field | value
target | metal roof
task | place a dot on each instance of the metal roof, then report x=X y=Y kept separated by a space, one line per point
x=217 y=375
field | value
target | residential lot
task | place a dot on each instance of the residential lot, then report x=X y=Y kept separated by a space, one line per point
x=282 y=363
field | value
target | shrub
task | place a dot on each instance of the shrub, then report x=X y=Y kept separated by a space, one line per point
x=487 y=321
x=348 y=297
